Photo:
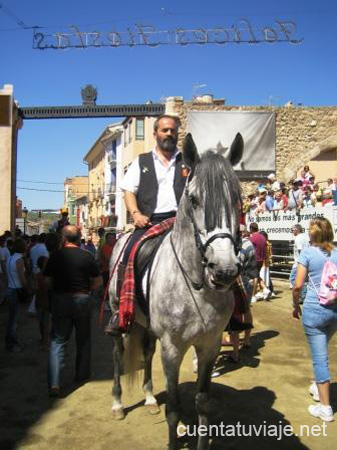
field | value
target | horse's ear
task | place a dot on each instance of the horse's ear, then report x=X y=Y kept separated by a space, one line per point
x=236 y=150
x=190 y=152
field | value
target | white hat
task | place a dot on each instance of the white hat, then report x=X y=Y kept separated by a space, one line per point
x=271 y=176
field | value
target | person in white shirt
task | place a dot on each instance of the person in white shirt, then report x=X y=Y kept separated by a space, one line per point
x=301 y=241
x=153 y=186
x=38 y=250
x=274 y=184
x=333 y=186
x=153 y=183
x=16 y=278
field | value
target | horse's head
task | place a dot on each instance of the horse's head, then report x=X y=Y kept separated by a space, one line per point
x=212 y=202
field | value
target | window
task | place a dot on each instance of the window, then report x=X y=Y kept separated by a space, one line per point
x=124 y=136
x=130 y=131
x=140 y=129
x=114 y=149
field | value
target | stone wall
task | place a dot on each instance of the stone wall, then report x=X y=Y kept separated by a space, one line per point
x=302 y=133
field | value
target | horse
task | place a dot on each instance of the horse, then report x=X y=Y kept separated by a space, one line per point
x=190 y=301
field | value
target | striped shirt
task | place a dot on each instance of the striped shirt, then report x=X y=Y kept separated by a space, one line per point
x=248 y=259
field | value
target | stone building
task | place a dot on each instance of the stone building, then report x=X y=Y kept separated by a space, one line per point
x=304 y=135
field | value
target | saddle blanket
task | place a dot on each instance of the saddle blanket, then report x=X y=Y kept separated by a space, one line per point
x=127 y=303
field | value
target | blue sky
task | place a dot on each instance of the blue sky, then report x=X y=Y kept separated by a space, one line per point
x=244 y=74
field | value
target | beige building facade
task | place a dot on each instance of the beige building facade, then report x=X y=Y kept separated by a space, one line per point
x=105 y=168
x=95 y=161
x=10 y=123
x=137 y=137
x=74 y=188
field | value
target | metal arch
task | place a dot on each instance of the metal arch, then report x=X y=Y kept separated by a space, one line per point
x=87 y=111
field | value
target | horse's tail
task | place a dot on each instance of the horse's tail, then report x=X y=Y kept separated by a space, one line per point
x=134 y=354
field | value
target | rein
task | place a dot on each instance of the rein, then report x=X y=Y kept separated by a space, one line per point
x=187 y=279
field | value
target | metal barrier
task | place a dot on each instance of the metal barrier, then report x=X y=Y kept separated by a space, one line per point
x=283 y=258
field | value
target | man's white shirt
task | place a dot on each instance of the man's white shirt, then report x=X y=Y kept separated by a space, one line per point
x=36 y=251
x=166 y=199
x=300 y=242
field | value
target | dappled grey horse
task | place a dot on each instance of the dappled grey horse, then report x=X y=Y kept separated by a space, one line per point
x=190 y=300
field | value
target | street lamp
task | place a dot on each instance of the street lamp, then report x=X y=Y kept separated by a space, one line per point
x=24 y=216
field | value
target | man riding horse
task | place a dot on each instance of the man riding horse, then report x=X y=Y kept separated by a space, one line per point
x=153 y=186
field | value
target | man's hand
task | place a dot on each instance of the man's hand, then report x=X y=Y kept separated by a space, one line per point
x=140 y=221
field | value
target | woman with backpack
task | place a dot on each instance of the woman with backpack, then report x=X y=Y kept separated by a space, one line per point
x=318 y=263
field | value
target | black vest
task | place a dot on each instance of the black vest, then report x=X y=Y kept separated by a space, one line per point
x=148 y=185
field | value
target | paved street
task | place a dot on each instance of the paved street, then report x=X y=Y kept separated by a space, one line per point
x=270 y=386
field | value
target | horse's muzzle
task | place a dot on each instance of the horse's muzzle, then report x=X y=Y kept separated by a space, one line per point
x=224 y=278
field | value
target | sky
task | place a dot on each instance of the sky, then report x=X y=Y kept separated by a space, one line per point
x=243 y=74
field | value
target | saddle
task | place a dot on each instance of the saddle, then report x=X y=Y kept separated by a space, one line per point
x=145 y=255
x=129 y=285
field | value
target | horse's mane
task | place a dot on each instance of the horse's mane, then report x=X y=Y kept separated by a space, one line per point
x=217 y=181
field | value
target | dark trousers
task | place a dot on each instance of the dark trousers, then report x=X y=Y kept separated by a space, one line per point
x=68 y=311
x=13 y=306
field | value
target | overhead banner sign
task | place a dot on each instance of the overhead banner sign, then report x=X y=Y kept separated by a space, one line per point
x=241 y=32
x=209 y=128
x=278 y=224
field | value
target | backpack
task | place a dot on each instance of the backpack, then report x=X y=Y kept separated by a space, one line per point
x=327 y=293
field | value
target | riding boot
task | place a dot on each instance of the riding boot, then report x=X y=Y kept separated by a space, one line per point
x=112 y=327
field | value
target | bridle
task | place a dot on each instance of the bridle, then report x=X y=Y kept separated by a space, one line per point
x=203 y=247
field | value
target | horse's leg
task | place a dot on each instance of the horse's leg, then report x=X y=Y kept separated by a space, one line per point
x=149 y=349
x=117 y=355
x=171 y=360
x=206 y=358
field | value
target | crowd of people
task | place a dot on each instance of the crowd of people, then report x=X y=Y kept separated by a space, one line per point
x=57 y=284
x=303 y=192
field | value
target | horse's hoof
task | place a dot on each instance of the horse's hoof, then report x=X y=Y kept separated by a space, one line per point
x=152 y=408
x=118 y=414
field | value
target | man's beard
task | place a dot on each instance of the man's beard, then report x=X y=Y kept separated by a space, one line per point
x=168 y=144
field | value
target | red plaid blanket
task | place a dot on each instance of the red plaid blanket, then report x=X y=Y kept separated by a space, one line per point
x=127 y=303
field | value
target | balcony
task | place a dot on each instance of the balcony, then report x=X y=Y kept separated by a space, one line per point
x=110 y=188
x=112 y=158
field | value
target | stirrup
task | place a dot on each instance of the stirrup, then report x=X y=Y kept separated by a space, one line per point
x=112 y=328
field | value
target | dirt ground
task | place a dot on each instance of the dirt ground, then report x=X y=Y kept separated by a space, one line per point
x=268 y=387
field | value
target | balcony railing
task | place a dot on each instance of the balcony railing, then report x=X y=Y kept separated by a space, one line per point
x=110 y=188
x=111 y=157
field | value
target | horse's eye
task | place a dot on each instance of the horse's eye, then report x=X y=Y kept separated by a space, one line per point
x=194 y=202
